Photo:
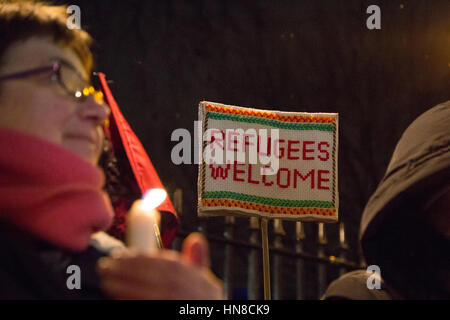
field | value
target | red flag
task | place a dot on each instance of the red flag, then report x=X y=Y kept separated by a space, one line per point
x=122 y=139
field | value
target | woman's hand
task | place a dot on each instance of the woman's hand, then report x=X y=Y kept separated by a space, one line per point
x=162 y=275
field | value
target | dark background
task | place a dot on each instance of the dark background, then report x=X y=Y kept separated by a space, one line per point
x=310 y=55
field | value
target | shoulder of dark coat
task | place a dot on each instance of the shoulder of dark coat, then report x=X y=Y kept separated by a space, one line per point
x=353 y=286
x=25 y=274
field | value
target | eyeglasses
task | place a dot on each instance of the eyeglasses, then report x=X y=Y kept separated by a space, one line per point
x=66 y=76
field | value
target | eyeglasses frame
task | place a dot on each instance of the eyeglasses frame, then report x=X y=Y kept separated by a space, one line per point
x=55 y=68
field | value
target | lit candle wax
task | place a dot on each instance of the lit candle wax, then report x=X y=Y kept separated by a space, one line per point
x=143 y=220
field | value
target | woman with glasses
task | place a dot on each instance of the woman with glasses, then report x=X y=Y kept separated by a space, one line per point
x=51 y=190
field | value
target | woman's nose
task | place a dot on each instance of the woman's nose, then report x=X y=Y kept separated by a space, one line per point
x=94 y=111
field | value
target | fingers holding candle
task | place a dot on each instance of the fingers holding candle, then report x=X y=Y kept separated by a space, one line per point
x=161 y=275
x=146 y=273
x=196 y=250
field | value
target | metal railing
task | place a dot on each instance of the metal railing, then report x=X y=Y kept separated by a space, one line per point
x=309 y=270
x=302 y=263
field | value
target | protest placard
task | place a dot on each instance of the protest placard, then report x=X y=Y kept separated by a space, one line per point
x=268 y=163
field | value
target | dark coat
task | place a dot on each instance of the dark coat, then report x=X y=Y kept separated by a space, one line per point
x=394 y=234
x=32 y=269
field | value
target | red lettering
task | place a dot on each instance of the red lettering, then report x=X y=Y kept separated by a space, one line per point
x=264 y=177
x=267 y=149
x=320 y=179
x=327 y=155
x=231 y=141
x=276 y=148
x=290 y=149
x=288 y=178
x=217 y=141
x=236 y=171
x=309 y=174
x=246 y=141
x=250 y=175
x=219 y=171
x=305 y=150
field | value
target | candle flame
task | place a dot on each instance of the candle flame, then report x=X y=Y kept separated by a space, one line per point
x=153 y=198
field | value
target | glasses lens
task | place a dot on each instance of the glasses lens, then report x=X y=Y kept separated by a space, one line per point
x=77 y=86
x=71 y=80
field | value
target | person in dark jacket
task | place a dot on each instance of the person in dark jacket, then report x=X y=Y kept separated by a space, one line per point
x=52 y=197
x=405 y=227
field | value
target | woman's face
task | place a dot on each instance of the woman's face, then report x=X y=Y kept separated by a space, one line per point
x=41 y=107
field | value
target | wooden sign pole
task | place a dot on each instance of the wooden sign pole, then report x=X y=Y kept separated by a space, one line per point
x=265 y=253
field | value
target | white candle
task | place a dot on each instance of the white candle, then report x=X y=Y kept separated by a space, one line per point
x=143 y=220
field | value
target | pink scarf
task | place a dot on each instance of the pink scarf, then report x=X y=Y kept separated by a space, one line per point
x=51 y=192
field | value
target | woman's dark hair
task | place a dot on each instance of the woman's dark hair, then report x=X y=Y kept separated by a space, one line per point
x=23 y=19
x=123 y=190
x=119 y=184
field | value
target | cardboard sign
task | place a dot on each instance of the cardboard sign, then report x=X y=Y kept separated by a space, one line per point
x=268 y=163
